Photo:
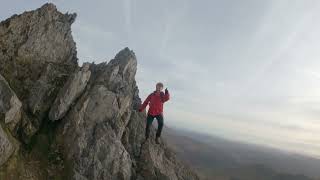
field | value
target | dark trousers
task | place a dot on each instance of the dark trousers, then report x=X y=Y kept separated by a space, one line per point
x=149 y=122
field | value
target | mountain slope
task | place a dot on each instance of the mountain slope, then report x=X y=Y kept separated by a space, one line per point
x=62 y=121
x=217 y=157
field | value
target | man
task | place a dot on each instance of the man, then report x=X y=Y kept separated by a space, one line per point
x=155 y=101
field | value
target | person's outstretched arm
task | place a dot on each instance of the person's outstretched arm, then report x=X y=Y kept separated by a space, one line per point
x=145 y=103
x=166 y=95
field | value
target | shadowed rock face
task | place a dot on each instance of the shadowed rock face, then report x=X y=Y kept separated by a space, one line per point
x=10 y=108
x=72 y=89
x=10 y=105
x=76 y=123
x=6 y=147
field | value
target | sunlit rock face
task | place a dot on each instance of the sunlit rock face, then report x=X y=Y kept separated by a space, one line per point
x=62 y=121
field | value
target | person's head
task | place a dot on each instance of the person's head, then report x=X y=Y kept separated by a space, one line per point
x=159 y=86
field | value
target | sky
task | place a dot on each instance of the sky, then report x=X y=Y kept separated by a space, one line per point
x=244 y=70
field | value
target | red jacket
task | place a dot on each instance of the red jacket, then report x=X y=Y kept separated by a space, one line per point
x=155 y=102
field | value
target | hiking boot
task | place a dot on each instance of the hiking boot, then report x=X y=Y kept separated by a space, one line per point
x=157 y=140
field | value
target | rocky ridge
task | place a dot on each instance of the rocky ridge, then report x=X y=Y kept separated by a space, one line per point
x=62 y=121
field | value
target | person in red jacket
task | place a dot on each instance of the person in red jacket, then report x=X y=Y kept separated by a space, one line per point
x=155 y=101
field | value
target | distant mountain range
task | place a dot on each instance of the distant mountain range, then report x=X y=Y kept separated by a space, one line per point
x=221 y=159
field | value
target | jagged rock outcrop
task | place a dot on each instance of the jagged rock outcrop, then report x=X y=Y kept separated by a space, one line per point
x=92 y=130
x=37 y=55
x=76 y=123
